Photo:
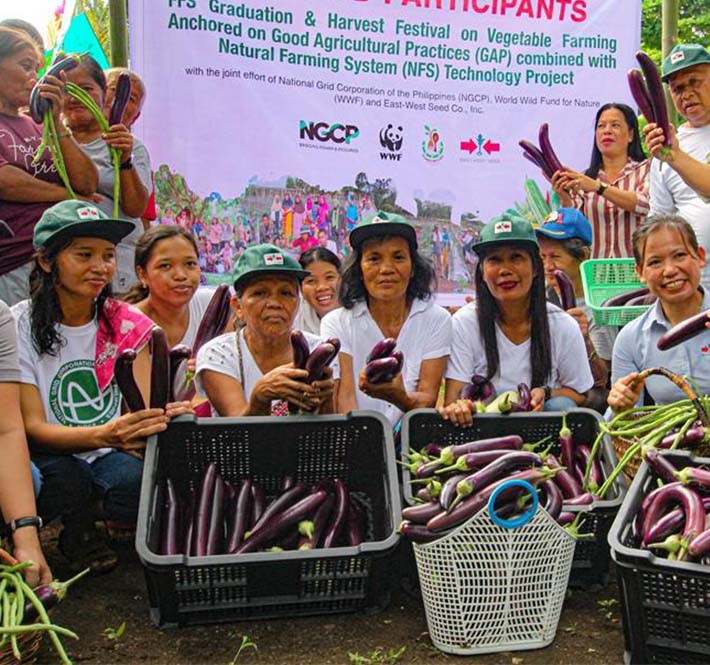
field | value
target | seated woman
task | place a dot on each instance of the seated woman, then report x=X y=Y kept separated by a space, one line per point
x=513 y=335
x=250 y=372
x=69 y=334
x=565 y=242
x=669 y=261
x=17 y=500
x=168 y=268
x=386 y=291
x=320 y=288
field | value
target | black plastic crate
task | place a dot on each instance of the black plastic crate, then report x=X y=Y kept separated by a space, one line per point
x=665 y=604
x=358 y=448
x=591 y=556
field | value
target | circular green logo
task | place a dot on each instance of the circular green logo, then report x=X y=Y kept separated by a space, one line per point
x=75 y=399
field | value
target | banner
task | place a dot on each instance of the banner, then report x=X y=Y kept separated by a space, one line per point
x=264 y=120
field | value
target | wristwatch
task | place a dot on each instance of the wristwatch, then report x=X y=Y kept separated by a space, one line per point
x=548 y=392
x=128 y=164
x=20 y=522
x=602 y=188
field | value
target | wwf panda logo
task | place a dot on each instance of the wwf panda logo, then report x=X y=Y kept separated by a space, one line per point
x=391 y=138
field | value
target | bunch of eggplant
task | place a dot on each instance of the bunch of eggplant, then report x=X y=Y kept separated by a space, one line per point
x=226 y=518
x=647 y=91
x=544 y=156
x=383 y=363
x=674 y=518
x=483 y=394
x=314 y=362
x=634 y=298
x=458 y=480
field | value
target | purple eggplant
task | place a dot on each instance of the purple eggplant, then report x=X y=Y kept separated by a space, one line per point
x=473 y=461
x=692 y=506
x=553 y=498
x=203 y=508
x=637 y=527
x=178 y=354
x=448 y=490
x=639 y=92
x=620 y=299
x=422 y=513
x=280 y=504
x=258 y=504
x=430 y=492
x=287 y=482
x=159 y=369
x=187 y=523
x=655 y=94
x=49 y=595
x=320 y=521
x=418 y=533
x=432 y=449
x=696 y=434
x=683 y=331
x=381 y=370
x=339 y=516
x=126 y=382
x=318 y=361
x=301 y=350
x=215 y=531
x=565 y=480
x=120 y=99
x=566 y=442
x=565 y=517
x=672 y=522
x=240 y=519
x=533 y=154
x=660 y=465
x=480 y=389
x=584 y=499
x=384 y=348
x=524 y=404
x=641 y=301
x=274 y=527
x=700 y=545
x=596 y=477
x=215 y=317
x=39 y=106
x=567 y=298
x=547 y=150
x=354 y=527
x=695 y=476
x=170 y=527
x=449 y=454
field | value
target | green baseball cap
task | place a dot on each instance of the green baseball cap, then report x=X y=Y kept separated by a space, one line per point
x=266 y=260
x=78 y=219
x=380 y=225
x=683 y=56
x=506 y=229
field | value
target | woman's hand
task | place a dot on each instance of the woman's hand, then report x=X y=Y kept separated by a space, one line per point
x=52 y=89
x=578 y=182
x=577 y=313
x=27 y=548
x=323 y=390
x=174 y=409
x=656 y=142
x=626 y=392
x=284 y=382
x=391 y=391
x=130 y=431
x=537 y=399
x=459 y=412
x=120 y=137
x=562 y=187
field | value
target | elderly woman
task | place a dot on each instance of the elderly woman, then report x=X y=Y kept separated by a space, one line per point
x=565 y=242
x=385 y=290
x=134 y=169
x=613 y=192
x=28 y=189
x=69 y=334
x=513 y=335
x=251 y=372
x=669 y=261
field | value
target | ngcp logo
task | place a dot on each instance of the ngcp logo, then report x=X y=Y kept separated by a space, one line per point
x=323 y=132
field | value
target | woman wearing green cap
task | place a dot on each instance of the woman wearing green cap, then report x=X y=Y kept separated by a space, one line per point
x=385 y=290
x=513 y=335
x=250 y=372
x=69 y=335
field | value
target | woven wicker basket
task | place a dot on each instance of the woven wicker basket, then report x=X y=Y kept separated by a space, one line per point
x=28 y=643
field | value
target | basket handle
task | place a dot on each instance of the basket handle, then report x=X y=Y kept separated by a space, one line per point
x=520 y=520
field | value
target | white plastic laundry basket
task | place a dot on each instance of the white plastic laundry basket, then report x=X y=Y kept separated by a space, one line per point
x=493 y=585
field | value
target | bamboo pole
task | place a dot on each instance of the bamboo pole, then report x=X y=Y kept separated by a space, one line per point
x=118 y=27
x=669 y=38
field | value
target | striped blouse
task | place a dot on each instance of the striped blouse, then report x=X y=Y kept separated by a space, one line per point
x=612 y=226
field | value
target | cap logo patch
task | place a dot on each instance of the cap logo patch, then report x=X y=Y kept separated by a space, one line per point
x=87 y=213
x=502 y=227
x=273 y=259
x=377 y=219
x=678 y=56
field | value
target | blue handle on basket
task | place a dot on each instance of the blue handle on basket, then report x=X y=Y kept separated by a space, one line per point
x=520 y=520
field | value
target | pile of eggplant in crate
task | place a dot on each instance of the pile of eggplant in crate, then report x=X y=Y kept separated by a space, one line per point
x=457 y=481
x=224 y=518
x=673 y=520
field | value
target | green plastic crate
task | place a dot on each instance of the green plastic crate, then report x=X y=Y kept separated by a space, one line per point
x=604 y=278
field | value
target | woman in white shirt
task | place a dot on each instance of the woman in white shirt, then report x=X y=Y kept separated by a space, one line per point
x=251 y=372
x=512 y=335
x=386 y=288
x=320 y=288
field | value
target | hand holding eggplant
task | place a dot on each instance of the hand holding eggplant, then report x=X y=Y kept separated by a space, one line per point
x=577 y=313
x=284 y=382
x=120 y=138
x=662 y=147
x=537 y=399
x=129 y=431
x=392 y=391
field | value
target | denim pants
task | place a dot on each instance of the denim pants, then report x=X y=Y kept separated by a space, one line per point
x=559 y=403
x=69 y=483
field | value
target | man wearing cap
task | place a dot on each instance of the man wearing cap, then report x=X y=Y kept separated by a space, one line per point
x=251 y=372
x=682 y=183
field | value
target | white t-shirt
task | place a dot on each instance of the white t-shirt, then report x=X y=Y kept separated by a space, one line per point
x=67 y=382
x=197 y=307
x=468 y=356
x=671 y=195
x=220 y=355
x=425 y=335
x=307 y=318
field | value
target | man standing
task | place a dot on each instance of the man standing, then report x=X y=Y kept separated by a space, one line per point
x=681 y=185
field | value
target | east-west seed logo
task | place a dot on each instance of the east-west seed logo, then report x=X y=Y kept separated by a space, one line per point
x=75 y=399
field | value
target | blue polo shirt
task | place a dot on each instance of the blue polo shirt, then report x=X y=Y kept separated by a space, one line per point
x=635 y=350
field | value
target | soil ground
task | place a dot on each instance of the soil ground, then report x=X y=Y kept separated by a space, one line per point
x=589 y=631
